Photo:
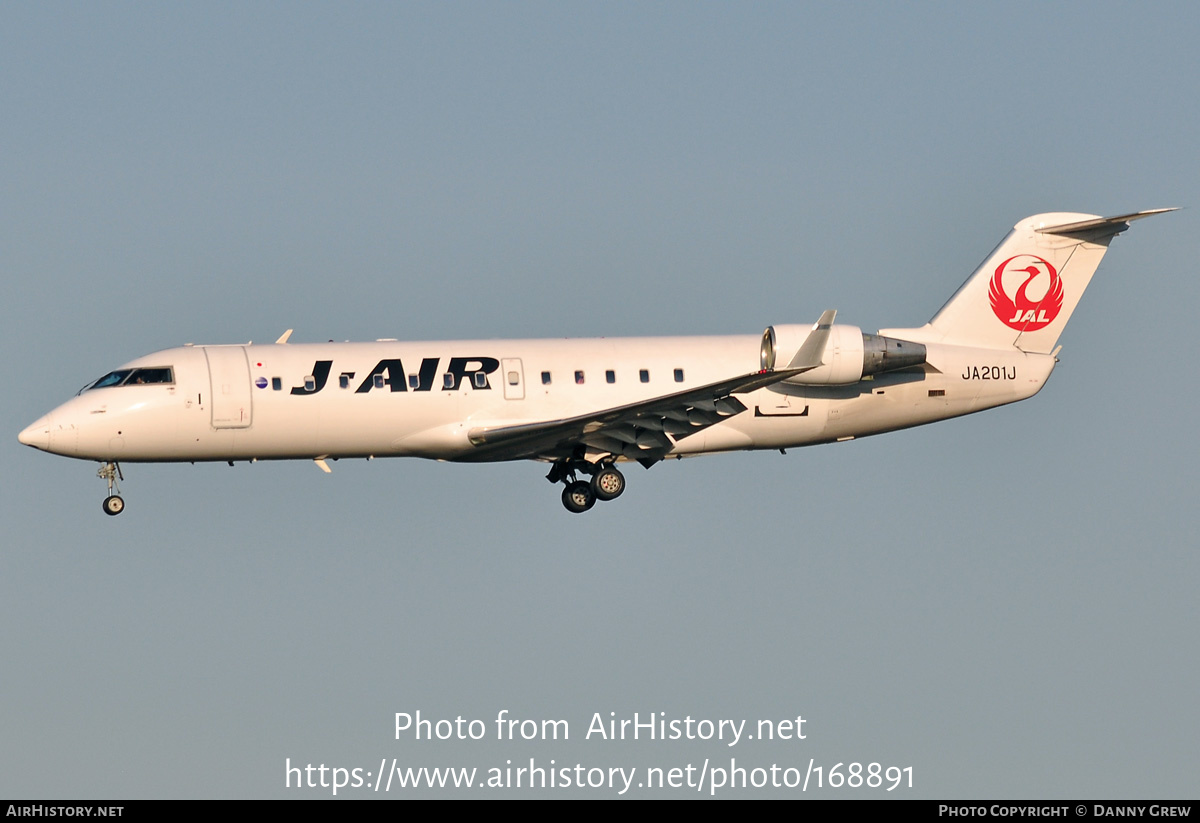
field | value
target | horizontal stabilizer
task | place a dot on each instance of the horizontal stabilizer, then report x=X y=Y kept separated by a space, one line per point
x=1116 y=224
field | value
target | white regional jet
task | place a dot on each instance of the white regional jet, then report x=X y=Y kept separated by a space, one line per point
x=584 y=406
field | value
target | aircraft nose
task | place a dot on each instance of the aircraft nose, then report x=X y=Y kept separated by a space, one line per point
x=37 y=434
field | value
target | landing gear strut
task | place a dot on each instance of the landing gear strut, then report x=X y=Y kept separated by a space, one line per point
x=607 y=483
x=113 y=504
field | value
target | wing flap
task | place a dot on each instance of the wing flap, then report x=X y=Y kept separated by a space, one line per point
x=642 y=429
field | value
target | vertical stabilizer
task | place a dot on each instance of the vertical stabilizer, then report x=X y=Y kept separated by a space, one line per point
x=1023 y=294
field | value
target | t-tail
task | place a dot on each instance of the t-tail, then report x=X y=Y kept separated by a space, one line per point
x=1024 y=293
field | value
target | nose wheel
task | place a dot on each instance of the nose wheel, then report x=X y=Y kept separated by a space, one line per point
x=113 y=504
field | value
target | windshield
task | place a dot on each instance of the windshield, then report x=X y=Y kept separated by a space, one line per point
x=131 y=377
x=113 y=378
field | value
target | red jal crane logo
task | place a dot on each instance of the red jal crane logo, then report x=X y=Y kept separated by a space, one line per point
x=1038 y=293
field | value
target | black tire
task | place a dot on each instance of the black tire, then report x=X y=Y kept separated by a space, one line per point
x=608 y=483
x=113 y=505
x=578 y=497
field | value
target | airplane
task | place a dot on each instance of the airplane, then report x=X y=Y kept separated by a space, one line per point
x=586 y=405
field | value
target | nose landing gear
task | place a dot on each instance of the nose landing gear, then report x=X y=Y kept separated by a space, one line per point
x=607 y=483
x=113 y=504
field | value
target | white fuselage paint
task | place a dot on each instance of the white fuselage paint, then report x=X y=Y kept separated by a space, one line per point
x=586 y=404
x=181 y=421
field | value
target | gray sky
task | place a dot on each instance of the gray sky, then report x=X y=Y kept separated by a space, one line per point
x=1005 y=602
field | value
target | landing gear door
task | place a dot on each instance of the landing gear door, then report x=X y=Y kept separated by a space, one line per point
x=229 y=376
x=514 y=379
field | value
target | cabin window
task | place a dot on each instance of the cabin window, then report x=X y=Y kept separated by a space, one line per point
x=276 y=384
x=379 y=381
x=579 y=377
x=513 y=378
x=310 y=384
x=644 y=375
x=344 y=381
x=414 y=381
x=448 y=380
x=481 y=380
x=679 y=375
x=610 y=376
x=545 y=378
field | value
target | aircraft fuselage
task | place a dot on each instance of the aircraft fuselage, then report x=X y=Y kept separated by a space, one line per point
x=586 y=405
x=392 y=399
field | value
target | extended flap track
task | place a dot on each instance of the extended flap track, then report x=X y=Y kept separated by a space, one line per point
x=654 y=435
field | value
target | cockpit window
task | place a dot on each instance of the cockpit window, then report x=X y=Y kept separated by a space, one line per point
x=130 y=377
x=113 y=378
x=161 y=374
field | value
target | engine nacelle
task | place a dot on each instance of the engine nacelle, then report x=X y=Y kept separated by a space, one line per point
x=849 y=354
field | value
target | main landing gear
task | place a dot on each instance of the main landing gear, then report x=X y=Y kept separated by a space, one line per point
x=113 y=504
x=607 y=483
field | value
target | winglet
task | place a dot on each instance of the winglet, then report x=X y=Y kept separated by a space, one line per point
x=809 y=356
x=283 y=338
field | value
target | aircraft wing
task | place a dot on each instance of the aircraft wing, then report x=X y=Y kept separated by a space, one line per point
x=647 y=429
